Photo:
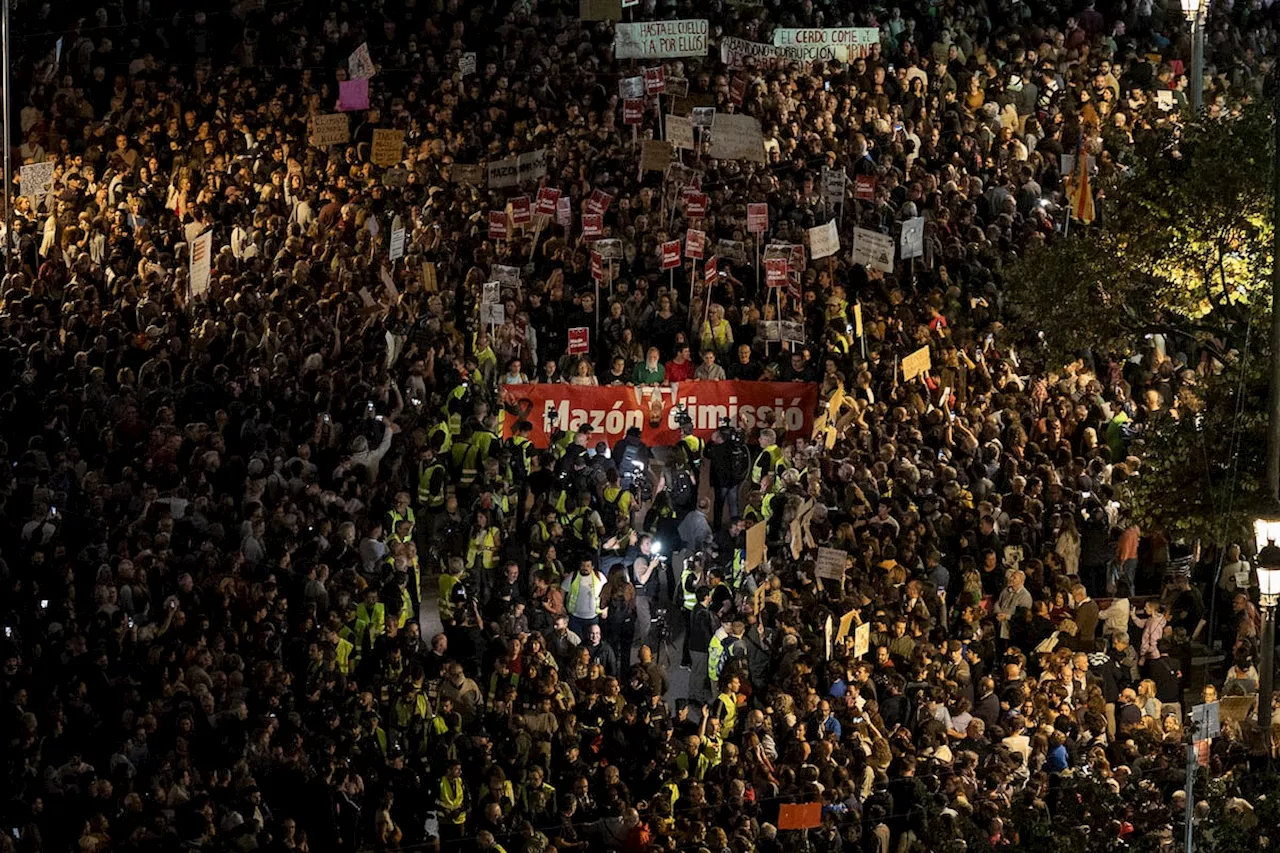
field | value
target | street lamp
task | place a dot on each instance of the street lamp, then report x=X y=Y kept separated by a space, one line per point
x=1194 y=11
x=1266 y=532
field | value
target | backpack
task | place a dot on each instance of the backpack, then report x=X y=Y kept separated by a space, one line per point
x=610 y=512
x=739 y=463
x=683 y=490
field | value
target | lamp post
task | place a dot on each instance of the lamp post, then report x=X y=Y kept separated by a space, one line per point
x=1266 y=532
x=1194 y=11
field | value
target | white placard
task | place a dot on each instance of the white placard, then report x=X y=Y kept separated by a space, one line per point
x=201 y=259
x=830 y=564
x=467 y=64
x=37 y=182
x=531 y=166
x=489 y=293
x=506 y=276
x=503 y=173
x=739 y=53
x=630 y=88
x=660 y=39
x=912 y=240
x=360 y=64
x=824 y=240
x=396 y=250
x=833 y=183
x=873 y=250
x=844 y=43
x=680 y=132
x=737 y=137
x=493 y=314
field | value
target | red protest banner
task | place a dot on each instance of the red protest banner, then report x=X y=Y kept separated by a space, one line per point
x=497 y=225
x=521 y=210
x=633 y=111
x=775 y=272
x=592 y=226
x=670 y=254
x=695 y=243
x=598 y=202
x=579 y=340
x=737 y=90
x=546 y=201
x=711 y=272
x=597 y=266
x=655 y=81
x=610 y=410
x=864 y=187
x=695 y=205
x=757 y=217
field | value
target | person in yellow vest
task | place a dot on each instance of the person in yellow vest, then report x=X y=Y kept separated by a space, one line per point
x=486 y=843
x=440 y=438
x=717 y=332
x=454 y=405
x=453 y=801
x=582 y=597
x=408 y=610
x=465 y=458
x=770 y=457
x=484 y=543
x=584 y=525
x=371 y=621
x=522 y=449
x=401 y=512
x=451 y=575
x=431 y=482
x=692 y=447
x=486 y=359
x=725 y=708
x=691 y=759
x=486 y=438
x=343 y=649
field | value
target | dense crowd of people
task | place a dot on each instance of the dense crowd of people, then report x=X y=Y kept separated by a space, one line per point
x=283 y=572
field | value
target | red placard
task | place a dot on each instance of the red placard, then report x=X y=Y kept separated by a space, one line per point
x=521 y=210
x=546 y=201
x=592 y=226
x=801 y=816
x=757 y=217
x=695 y=243
x=497 y=225
x=775 y=272
x=633 y=111
x=579 y=340
x=737 y=90
x=670 y=254
x=695 y=205
x=597 y=266
x=864 y=187
x=611 y=409
x=711 y=272
x=654 y=81
x=598 y=202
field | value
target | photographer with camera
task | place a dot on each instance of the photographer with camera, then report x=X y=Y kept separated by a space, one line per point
x=730 y=463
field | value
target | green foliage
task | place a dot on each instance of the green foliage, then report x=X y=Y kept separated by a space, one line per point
x=1200 y=474
x=1181 y=246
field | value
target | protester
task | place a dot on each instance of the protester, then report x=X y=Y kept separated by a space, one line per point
x=285 y=569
